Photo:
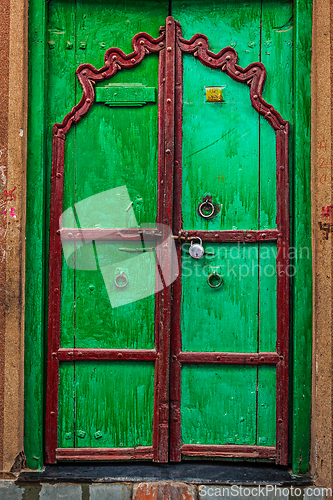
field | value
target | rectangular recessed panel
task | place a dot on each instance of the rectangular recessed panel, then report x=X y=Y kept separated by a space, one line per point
x=115 y=304
x=267 y=297
x=218 y=404
x=66 y=405
x=110 y=148
x=114 y=404
x=224 y=318
x=266 y=432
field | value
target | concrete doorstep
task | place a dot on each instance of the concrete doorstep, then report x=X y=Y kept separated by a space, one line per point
x=163 y=490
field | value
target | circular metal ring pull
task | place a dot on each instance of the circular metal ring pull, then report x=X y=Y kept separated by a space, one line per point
x=209 y=206
x=121 y=280
x=214 y=280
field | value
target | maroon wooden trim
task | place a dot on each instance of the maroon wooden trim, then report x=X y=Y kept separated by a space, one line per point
x=254 y=74
x=165 y=214
x=176 y=340
x=151 y=234
x=158 y=295
x=115 y=59
x=106 y=354
x=105 y=234
x=51 y=417
x=283 y=274
x=228 y=451
x=138 y=453
x=229 y=358
x=231 y=236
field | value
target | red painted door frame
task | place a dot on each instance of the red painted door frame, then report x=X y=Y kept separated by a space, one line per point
x=170 y=46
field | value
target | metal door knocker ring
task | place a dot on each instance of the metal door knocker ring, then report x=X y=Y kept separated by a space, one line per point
x=121 y=280
x=208 y=207
x=214 y=280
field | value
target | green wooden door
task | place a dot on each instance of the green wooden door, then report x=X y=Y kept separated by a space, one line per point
x=225 y=404
x=192 y=370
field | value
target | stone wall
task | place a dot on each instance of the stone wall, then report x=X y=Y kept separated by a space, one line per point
x=153 y=491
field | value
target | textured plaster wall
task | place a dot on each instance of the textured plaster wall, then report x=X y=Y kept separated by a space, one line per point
x=13 y=93
x=322 y=170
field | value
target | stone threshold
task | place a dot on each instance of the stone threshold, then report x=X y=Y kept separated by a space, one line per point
x=201 y=473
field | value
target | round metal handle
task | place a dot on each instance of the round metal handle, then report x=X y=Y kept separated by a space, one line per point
x=121 y=280
x=211 y=209
x=214 y=280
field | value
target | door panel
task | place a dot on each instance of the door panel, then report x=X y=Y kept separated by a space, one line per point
x=103 y=402
x=152 y=129
x=223 y=319
x=99 y=401
x=219 y=404
x=220 y=151
x=229 y=154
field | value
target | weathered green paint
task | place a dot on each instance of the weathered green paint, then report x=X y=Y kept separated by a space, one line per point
x=266 y=395
x=301 y=240
x=105 y=416
x=215 y=396
x=66 y=426
x=220 y=140
x=97 y=323
x=116 y=400
x=123 y=94
x=277 y=56
x=35 y=246
x=123 y=152
x=223 y=319
x=267 y=297
x=212 y=397
x=81 y=33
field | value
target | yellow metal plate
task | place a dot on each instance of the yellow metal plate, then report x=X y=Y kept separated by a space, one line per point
x=214 y=94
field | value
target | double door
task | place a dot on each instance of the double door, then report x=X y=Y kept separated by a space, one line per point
x=170 y=152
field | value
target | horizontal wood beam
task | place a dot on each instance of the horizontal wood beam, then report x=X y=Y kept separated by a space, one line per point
x=138 y=453
x=228 y=450
x=106 y=234
x=150 y=234
x=229 y=358
x=232 y=236
x=106 y=354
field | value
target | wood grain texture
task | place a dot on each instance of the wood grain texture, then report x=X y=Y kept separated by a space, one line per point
x=113 y=404
x=302 y=282
x=36 y=235
x=262 y=189
x=223 y=319
x=213 y=397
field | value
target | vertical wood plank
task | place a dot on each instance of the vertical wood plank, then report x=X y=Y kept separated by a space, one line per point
x=302 y=281
x=66 y=424
x=35 y=241
x=266 y=435
x=276 y=55
x=267 y=297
